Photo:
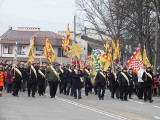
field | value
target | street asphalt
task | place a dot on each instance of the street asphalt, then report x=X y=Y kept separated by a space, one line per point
x=64 y=107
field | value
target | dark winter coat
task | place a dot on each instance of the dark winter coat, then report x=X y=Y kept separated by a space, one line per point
x=18 y=77
x=147 y=80
x=40 y=78
x=31 y=75
x=76 y=81
x=122 y=80
x=100 y=80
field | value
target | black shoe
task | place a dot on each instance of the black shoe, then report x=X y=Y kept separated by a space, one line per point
x=79 y=97
x=151 y=101
x=140 y=98
x=52 y=97
x=28 y=95
x=102 y=98
x=33 y=96
x=125 y=100
x=145 y=100
x=75 y=97
x=86 y=94
x=122 y=100
x=130 y=98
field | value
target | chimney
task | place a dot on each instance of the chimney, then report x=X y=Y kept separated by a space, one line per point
x=10 y=28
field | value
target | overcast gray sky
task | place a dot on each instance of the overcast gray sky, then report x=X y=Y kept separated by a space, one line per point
x=51 y=15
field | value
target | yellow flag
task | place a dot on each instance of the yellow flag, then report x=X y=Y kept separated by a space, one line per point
x=105 y=61
x=93 y=70
x=68 y=35
x=49 y=51
x=31 y=55
x=107 y=47
x=145 y=58
x=116 y=51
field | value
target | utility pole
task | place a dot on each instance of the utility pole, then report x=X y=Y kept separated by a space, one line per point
x=74 y=27
x=156 y=37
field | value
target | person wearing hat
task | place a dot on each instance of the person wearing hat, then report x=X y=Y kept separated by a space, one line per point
x=147 y=77
x=111 y=81
x=32 y=79
x=87 y=80
x=133 y=82
x=124 y=82
x=52 y=77
x=69 y=79
x=17 y=79
x=100 y=81
x=63 y=82
x=77 y=83
x=41 y=80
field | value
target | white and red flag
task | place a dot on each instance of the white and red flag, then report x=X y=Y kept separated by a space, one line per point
x=135 y=62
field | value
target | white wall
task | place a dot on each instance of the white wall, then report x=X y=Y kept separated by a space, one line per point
x=59 y=59
x=84 y=44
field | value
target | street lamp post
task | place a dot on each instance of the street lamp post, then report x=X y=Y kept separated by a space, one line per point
x=75 y=27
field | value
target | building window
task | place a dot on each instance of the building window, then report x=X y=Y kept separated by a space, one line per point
x=60 y=52
x=21 y=50
x=8 y=49
x=39 y=50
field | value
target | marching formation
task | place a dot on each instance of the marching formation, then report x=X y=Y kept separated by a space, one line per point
x=70 y=79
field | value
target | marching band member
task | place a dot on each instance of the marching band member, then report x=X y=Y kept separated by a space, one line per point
x=124 y=82
x=87 y=80
x=77 y=81
x=41 y=80
x=63 y=81
x=52 y=77
x=32 y=80
x=112 y=81
x=17 y=78
x=133 y=80
x=101 y=83
x=147 y=77
x=69 y=79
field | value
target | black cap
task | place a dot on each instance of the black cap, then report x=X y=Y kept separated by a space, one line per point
x=124 y=68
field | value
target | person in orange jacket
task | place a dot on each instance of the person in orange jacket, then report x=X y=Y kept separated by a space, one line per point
x=2 y=76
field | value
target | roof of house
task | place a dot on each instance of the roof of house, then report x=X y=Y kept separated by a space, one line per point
x=93 y=43
x=24 y=37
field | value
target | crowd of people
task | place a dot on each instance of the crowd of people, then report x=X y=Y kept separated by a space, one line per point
x=70 y=79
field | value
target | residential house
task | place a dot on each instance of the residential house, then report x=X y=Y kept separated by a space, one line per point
x=23 y=35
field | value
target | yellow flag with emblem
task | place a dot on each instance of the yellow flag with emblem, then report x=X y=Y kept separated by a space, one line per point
x=145 y=58
x=116 y=51
x=31 y=55
x=49 y=51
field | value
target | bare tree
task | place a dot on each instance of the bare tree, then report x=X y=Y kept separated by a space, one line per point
x=132 y=21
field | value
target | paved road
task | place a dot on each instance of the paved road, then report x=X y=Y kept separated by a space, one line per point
x=66 y=108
